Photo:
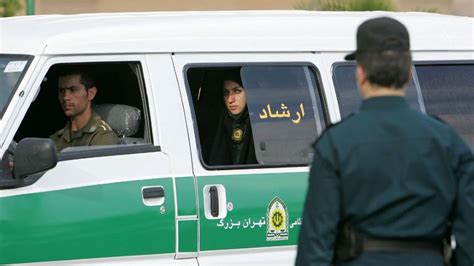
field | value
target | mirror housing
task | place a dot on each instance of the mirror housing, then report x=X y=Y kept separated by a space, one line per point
x=34 y=155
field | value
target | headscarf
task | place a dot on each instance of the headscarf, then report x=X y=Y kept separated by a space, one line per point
x=233 y=141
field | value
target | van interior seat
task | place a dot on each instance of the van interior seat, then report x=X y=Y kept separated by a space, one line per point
x=123 y=119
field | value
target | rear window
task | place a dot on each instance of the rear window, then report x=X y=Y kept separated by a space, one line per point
x=448 y=93
x=348 y=93
x=442 y=90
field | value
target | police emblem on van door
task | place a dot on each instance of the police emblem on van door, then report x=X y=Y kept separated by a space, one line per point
x=277 y=220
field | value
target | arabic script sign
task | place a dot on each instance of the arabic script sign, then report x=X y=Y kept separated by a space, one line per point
x=285 y=113
x=249 y=223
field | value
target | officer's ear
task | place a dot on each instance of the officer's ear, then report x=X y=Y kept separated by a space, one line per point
x=361 y=76
x=410 y=75
x=91 y=92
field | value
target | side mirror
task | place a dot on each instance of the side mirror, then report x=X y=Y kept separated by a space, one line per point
x=34 y=155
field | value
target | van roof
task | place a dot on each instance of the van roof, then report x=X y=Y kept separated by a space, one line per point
x=219 y=31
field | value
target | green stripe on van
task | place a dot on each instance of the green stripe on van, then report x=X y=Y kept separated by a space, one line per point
x=88 y=222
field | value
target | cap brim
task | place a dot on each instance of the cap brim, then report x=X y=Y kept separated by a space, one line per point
x=351 y=56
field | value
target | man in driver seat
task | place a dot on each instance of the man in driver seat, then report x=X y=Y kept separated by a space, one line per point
x=76 y=90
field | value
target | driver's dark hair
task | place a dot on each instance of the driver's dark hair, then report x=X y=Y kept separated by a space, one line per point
x=86 y=77
x=386 y=69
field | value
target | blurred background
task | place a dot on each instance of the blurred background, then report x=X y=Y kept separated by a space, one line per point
x=30 y=7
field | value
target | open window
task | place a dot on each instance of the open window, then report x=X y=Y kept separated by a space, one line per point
x=120 y=101
x=284 y=106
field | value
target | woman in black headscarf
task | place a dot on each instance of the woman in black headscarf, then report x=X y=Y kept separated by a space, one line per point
x=233 y=142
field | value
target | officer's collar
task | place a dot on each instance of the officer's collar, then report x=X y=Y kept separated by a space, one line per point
x=384 y=102
x=90 y=127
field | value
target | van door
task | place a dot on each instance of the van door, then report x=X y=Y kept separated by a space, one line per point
x=251 y=213
x=105 y=204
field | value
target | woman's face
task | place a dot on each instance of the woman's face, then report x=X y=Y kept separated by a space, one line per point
x=234 y=97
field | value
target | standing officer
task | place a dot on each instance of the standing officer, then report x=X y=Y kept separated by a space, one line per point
x=386 y=182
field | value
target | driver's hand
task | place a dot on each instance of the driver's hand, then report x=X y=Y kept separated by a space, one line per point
x=11 y=152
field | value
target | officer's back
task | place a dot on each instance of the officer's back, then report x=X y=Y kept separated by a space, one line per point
x=400 y=184
x=386 y=182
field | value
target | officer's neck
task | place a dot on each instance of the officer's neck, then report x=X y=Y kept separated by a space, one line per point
x=370 y=91
x=79 y=121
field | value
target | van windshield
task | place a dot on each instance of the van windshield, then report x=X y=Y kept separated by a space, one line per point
x=12 y=69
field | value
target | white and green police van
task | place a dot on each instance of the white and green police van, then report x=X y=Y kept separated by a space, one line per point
x=154 y=199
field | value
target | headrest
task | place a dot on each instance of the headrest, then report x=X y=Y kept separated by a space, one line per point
x=123 y=119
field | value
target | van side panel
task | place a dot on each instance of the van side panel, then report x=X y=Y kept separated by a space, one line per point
x=87 y=222
x=247 y=222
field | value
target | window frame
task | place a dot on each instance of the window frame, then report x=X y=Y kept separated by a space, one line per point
x=109 y=150
x=143 y=88
x=320 y=92
x=444 y=62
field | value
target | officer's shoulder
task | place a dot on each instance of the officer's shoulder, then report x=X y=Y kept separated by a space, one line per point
x=99 y=125
x=334 y=127
x=447 y=131
x=437 y=124
x=436 y=121
x=104 y=126
x=340 y=124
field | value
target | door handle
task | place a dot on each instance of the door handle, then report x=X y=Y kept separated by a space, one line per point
x=153 y=196
x=215 y=201
x=153 y=192
x=214 y=196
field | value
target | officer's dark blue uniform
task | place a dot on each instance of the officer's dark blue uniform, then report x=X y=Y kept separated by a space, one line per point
x=393 y=173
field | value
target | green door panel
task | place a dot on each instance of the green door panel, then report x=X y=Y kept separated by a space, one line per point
x=248 y=198
x=186 y=195
x=188 y=235
x=88 y=222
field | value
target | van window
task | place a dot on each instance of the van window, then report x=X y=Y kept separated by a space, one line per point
x=118 y=101
x=348 y=92
x=284 y=109
x=448 y=94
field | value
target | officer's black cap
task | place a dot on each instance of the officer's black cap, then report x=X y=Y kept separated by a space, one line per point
x=380 y=35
